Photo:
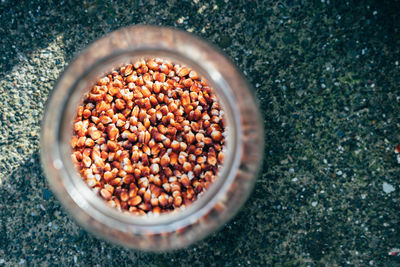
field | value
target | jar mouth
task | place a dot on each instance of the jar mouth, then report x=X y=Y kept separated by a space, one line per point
x=97 y=207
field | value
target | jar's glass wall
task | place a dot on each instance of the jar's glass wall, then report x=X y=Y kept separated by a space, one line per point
x=244 y=141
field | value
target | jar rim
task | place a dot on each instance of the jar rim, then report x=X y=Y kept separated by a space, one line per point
x=199 y=207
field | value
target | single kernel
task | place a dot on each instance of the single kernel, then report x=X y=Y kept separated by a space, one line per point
x=134 y=201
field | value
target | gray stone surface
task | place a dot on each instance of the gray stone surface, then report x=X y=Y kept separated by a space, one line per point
x=327 y=77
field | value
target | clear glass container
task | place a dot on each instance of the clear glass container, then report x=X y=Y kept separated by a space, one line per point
x=244 y=141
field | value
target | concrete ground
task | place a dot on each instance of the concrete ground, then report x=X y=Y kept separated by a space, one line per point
x=326 y=74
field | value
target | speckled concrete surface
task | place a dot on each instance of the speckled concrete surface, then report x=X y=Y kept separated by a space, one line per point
x=326 y=75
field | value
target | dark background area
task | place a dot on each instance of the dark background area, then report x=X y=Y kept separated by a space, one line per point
x=326 y=75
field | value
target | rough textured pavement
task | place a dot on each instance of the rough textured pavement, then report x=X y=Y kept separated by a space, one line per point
x=326 y=74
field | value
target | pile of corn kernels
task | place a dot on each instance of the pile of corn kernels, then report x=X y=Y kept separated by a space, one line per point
x=149 y=138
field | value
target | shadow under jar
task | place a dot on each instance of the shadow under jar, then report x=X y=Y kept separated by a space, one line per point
x=243 y=142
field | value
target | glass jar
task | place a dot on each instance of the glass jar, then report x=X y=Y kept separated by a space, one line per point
x=244 y=140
